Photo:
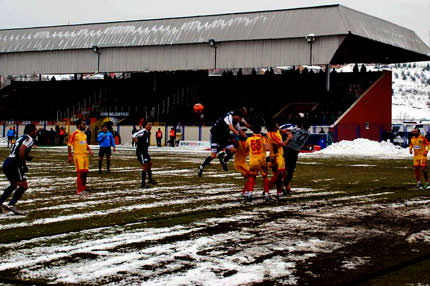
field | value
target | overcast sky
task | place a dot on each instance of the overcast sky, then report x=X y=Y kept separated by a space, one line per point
x=412 y=14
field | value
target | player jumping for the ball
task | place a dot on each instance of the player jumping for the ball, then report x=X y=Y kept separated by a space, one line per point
x=220 y=138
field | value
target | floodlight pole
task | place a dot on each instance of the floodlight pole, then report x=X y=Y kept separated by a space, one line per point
x=96 y=50
x=212 y=44
x=310 y=38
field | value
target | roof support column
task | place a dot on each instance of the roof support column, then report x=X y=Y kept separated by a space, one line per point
x=327 y=78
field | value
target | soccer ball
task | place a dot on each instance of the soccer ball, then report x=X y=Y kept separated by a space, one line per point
x=198 y=108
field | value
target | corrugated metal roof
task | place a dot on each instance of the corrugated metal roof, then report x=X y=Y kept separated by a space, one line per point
x=280 y=24
x=373 y=28
x=293 y=23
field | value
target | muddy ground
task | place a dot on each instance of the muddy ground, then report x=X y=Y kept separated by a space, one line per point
x=348 y=221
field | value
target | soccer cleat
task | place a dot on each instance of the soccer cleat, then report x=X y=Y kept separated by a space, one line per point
x=419 y=186
x=221 y=160
x=144 y=186
x=248 y=196
x=14 y=210
x=83 y=193
x=267 y=197
x=152 y=182
x=108 y=171
x=286 y=190
x=200 y=173
x=224 y=165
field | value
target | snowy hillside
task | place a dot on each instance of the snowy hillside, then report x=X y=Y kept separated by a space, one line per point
x=411 y=89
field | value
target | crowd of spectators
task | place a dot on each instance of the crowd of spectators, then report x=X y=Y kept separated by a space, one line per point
x=169 y=96
x=51 y=136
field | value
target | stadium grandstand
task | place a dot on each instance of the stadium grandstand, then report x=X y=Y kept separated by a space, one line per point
x=161 y=68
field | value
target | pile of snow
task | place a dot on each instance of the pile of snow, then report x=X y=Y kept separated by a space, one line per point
x=3 y=141
x=364 y=147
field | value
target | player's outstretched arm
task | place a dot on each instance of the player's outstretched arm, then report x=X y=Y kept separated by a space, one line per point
x=232 y=129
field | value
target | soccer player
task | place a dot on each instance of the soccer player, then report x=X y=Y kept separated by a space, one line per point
x=15 y=167
x=299 y=136
x=142 y=139
x=240 y=163
x=276 y=145
x=420 y=145
x=256 y=146
x=78 y=141
x=106 y=141
x=220 y=138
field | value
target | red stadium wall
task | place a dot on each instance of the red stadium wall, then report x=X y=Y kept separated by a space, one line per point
x=370 y=115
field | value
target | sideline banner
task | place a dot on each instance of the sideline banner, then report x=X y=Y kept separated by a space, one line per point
x=202 y=144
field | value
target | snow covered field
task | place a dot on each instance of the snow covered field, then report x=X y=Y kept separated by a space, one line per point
x=348 y=217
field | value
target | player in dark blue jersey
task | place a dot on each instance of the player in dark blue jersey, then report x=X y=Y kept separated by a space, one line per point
x=220 y=138
x=142 y=140
x=15 y=167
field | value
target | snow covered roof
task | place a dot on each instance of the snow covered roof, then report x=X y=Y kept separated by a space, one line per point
x=279 y=24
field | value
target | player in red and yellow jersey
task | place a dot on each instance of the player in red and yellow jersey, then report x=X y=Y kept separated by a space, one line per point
x=276 y=147
x=421 y=146
x=240 y=163
x=256 y=146
x=78 y=141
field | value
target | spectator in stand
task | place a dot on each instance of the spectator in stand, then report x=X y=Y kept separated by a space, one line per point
x=322 y=131
x=40 y=133
x=51 y=136
x=10 y=136
x=159 y=137
x=116 y=136
x=355 y=68
x=172 y=137
x=62 y=135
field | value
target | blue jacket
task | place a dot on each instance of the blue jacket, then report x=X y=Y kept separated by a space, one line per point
x=11 y=133
x=106 y=139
